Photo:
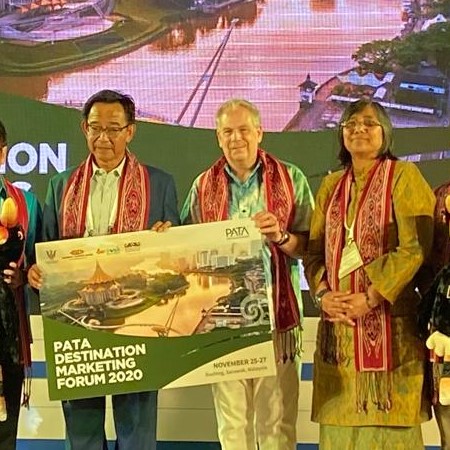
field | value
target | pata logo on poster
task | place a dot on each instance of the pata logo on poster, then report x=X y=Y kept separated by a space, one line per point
x=236 y=232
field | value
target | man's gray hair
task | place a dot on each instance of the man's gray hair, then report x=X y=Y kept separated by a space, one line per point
x=235 y=103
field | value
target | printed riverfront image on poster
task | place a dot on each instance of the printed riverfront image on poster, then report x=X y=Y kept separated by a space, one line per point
x=145 y=310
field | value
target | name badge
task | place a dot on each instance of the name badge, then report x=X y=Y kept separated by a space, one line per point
x=350 y=261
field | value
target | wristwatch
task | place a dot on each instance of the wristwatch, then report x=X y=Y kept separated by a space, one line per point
x=285 y=236
x=317 y=299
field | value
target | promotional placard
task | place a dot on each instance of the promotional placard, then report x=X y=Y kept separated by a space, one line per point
x=142 y=311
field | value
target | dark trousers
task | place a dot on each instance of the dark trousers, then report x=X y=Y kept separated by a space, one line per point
x=12 y=389
x=134 y=420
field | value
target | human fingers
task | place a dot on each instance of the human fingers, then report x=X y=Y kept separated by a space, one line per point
x=266 y=221
x=7 y=278
x=164 y=226
x=157 y=225
x=35 y=277
x=342 y=318
x=338 y=299
x=334 y=306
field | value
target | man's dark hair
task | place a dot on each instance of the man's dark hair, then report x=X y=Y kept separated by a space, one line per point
x=3 y=137
x=108 y=96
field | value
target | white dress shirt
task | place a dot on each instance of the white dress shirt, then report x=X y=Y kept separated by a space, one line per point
x=103 y=200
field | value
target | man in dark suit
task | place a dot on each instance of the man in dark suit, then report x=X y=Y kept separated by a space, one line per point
x=109 y=192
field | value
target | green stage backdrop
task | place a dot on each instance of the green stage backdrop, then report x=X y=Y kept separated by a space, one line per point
x=44 y=136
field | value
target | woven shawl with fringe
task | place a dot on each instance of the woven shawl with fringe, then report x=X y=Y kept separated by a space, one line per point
x=133 y=200
x=21 y=355
x=214 y=206
x=372 y=333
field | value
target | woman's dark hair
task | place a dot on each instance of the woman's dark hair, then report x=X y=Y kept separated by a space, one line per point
x=108 y=96
x=386 y=125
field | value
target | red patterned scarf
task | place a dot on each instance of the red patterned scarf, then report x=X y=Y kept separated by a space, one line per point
x=134 y=199
x=214 y=206
x=372 y=333
x=24 y=326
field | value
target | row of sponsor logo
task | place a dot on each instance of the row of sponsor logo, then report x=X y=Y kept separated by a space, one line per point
x=131 y=246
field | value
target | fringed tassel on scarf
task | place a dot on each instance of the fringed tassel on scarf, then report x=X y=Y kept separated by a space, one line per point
x=24 y=344
x=26 y=388
x=332 y=344
x=377 y=386
x=288 y=344
x=328 y=344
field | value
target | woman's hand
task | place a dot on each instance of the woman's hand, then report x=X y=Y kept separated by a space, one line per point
x=358 y=305
x=14 y=276
x=337 y=307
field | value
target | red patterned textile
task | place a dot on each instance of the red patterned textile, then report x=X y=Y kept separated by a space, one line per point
x=213 y=199
x=134 y=199
x=372 y=336
x=24 y=326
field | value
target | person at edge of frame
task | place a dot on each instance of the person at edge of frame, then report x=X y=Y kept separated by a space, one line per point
x=434 y=313
x=109 y=192
x=248 y=182
x=20 y=229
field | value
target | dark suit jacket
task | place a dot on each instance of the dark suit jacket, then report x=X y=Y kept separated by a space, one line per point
x=163 y=201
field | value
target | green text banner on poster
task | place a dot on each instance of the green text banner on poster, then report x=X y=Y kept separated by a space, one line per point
x=141 y=311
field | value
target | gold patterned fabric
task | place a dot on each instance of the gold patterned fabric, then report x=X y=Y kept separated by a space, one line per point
x=391 y=274
x=370 y=438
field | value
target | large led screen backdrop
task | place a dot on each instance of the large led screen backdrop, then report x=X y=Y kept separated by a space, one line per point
x=299 y=61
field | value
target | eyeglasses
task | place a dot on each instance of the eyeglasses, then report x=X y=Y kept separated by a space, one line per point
x=112 y=132
x=351 y=125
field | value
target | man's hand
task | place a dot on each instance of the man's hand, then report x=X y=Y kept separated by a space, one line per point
x=439 y=343
x=35 y=277
x=15 y=276
x=293 y=244
x=268 y=225
x=161 y=226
